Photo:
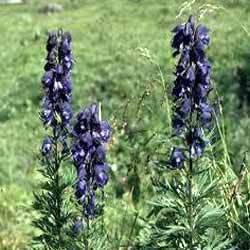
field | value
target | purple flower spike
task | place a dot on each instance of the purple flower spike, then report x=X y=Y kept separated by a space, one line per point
x=56 y=106
x=88 y=153
x=55 y=115
x=192 y=111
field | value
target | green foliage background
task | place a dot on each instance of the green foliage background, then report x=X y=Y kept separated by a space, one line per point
x=112 y=67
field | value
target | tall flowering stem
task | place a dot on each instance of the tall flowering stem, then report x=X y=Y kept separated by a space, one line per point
x=56 y=115
x=187 y=204
x=192 y=112
x=90 y=134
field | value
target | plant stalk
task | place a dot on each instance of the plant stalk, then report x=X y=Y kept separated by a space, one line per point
x=190 y=199
x=86 y=241
x=58 y=194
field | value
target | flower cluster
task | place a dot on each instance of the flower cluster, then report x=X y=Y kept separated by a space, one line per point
x=193 y=111
x=88 y=152
x=56 y=104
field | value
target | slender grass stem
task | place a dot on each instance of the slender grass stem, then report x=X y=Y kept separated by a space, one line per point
x=132 y=230
x=165 y=97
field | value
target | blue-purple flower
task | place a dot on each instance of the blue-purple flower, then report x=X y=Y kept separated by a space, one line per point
x=55 y=115
x=205 y=114
x=193 y=111
x=56 y=106
x=46 y=146
x=177 y=158
x=196 y=142
x=77 y=226
x=89 y=156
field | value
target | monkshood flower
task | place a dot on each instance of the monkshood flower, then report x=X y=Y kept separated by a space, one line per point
x=177 y=158
x=56 y=105
x=88 y=152
x=77 y=226
x=192 y=112
x=55 y=115
x=196 y=142
x=46 y=146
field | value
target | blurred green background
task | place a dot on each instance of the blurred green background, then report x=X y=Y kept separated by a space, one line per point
x=111 y=39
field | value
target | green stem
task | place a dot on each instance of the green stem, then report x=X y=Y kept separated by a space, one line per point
x=57 y=193
x=103 y=213
x=132 y=230
x=166 y=97
x=190 y=200
x=86 y=240
x=86 y=236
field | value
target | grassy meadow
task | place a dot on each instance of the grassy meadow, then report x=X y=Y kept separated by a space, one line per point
x=123 y=59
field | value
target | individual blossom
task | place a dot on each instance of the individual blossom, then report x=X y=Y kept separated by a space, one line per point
x=184 y=108
x=46 y=146
x=77 y=226
x=196 y=142
x=101 y=175
x=176 y=159
x=205 y=114
x=183 y=35
x=89 y=156
x=178 y=125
